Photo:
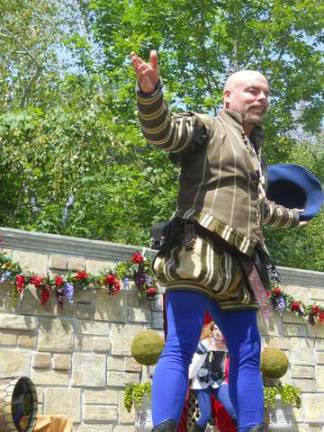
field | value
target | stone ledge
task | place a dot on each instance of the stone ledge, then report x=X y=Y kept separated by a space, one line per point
x=58 y=244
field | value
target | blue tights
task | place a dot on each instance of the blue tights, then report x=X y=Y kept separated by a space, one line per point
x=185 y=315
x=204 y=403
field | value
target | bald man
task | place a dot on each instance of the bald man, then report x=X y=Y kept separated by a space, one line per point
x=209 y=262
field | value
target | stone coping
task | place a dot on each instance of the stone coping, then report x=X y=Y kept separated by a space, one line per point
x=59 y=244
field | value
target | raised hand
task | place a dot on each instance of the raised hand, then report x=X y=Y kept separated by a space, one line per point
x=147 y=74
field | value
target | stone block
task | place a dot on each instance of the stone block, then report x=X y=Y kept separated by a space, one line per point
x=26 y=341
x=292 y=318
x=17 y=322
x=7 y=338
x=300 y=293
x=125 y=417
x=58 y=262
x=131 y=365
x=75 y=263
x=110 y=308
x=31 y=305
x=100 y=413
x=319 y=344
x=14 y=363
x=279 y=342
x=294 y=330
x=42 y=361
x=50 y=377
x=157 y=320
x=302 y=371
x=92 y=328
x=133 y=299
x=319 y=379
x=91 y=343
x=85 y=312
x=96 y=267
x=100 y=397
x=69 y=402
x=6 y=304
x=316 y=294
x=306 y=385
x=122 y=337
x=139 y=315
x=89 y=370
x=121 y=379
x=313 y=407
x=125 y=428
x=85 y=297
x=316 y=331
x=320 y=357
x=61 y=362
x=302 y=350
x=55 y=335
x=94 y=428
x=115 y=363
x=157 y=303
x=31 y=261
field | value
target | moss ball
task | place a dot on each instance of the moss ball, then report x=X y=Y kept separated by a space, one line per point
x=147 y=347
x=274 y=363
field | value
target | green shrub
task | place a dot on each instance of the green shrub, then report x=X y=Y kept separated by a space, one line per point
x=147 y=347
x=274 y=363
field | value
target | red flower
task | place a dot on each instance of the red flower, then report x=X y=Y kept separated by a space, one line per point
x=151 y=292
x=315 y=310
x=321 y=316
x=268 y=294
x=81 y=275
x=20 y=283
x=116 y=288
x=37 y=281
x=45 y=295
x=137 y=258
x=277 y=291
x=294 y=307
x=59 y=281
x=110 y=279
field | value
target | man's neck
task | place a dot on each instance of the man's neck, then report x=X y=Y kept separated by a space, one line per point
x=248 y=128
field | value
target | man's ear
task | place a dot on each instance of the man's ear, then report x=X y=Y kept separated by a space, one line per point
x=226 y=98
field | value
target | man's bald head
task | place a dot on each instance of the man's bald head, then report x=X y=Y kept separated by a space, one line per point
x=247 y=93
x=243 y=76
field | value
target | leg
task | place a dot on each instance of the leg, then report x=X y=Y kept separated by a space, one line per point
x=245 y=383
x=222 y=394
x=204 y=403
x=185 y=314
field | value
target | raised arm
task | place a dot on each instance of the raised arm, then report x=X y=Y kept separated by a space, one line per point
x=163 y=129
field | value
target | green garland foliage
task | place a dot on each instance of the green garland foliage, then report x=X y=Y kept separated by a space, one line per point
x=289 y=395
x=134 y=394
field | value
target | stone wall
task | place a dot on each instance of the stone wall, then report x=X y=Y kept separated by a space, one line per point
x=79 y=357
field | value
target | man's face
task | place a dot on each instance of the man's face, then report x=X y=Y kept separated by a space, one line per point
x=249 y=96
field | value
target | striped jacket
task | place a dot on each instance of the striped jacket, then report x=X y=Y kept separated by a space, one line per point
x=222 y=185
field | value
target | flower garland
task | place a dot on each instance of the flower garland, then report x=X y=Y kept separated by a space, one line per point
x=138 y=269
x=282 y=301
x=63 y=287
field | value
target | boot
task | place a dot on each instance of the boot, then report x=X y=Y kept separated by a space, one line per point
x=197 y=428
x=166 y=426
x=259 y=428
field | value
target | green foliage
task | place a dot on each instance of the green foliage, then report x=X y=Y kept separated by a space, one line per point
x=147 y=347
x=289 y=395
x=274 y=363
x=134 y=394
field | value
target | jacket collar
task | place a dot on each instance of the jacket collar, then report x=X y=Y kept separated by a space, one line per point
x=235 y=118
